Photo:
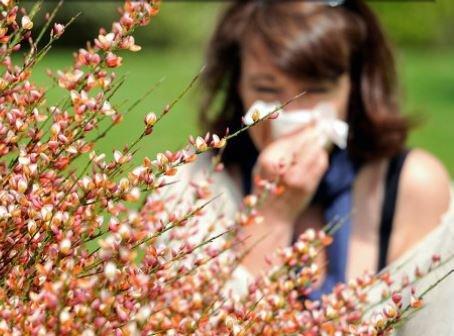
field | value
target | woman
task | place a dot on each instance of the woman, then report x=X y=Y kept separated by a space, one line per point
x=335 y=52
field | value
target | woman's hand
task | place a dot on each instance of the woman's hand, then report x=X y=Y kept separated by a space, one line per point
x=301 y=160
x=300 y=180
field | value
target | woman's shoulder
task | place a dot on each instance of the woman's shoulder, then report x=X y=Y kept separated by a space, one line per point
x=424 y=172
x=423 y=198
x=422 y=179
x=424 y=183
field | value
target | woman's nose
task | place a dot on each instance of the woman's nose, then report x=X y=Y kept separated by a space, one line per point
x=299 y=104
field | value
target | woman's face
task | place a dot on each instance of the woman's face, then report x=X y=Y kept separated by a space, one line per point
x=261 y=80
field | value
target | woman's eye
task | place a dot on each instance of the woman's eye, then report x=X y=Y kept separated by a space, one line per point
x=266 y=89
x=317 y=89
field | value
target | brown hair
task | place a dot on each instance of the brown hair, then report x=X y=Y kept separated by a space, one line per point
x=309 y=40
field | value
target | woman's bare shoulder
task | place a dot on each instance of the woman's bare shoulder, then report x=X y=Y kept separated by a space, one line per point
x=425 y=182
x=423 y=198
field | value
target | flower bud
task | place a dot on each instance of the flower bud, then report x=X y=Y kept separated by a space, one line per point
x=255 y=116
x=217 y=142
x=118 y=156
x=65 y=246
x=57 y=30
x=26 y=23
x=64 y=315
x=105 y=42
x=107 y=109
x=3 y=212
x=310 y=234
x=3 y=84
x=301 y=247
x=415 y=302
x=251 y=201
x=124 y=184
x=55 y=129
x=266 y=315
x=379 y=321
x=143 y=314
x=397 y=298
x=110 y=271
x=113 y=61
x=331 y=313
x=22 y=185
x=200 y=144
x=125 y=231
x=150 y=119
x=162 y=159
x=88 y=332
x=133 y=195
x=390 y=311
x=31 y=226
x=46 y=212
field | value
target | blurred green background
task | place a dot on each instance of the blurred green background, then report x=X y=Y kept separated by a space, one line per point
x=173 y=48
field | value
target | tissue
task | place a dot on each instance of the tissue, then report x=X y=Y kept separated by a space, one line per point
x=324 y=114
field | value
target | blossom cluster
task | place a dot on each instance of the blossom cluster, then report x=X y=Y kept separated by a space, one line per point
x=98 y=248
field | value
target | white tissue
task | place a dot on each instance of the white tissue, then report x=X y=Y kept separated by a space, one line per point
x=325 y=117
x=328 y=125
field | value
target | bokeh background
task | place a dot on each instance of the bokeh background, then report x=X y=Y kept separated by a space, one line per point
x=174 y=44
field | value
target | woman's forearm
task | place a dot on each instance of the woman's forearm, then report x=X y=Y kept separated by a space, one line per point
x=263 y=239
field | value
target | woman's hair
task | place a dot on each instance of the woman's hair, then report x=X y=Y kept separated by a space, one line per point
x=308 y=40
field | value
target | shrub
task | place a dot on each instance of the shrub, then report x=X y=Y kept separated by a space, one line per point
x=101 y=249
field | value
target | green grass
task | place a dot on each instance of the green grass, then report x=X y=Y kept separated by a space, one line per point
x=144 y=70
x=425 y=75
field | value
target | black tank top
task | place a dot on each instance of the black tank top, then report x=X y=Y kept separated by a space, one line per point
x=389 y=205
